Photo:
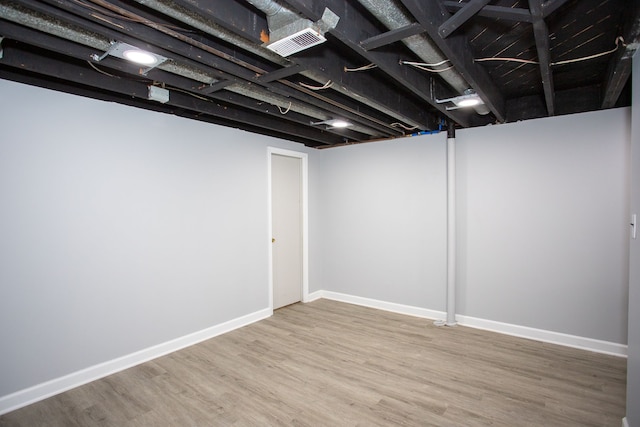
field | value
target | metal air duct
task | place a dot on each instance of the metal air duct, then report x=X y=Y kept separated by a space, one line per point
x=394 y=17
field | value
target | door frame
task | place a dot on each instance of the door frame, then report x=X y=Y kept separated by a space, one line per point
x=305 y=218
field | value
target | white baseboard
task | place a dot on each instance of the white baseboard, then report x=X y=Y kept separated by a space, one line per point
x=598 y=346
x=42 y=391
x=625 y=423
x=314 y=296
x=383 y=305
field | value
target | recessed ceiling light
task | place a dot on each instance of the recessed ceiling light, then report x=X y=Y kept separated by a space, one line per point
x=134 y=54
x=340 y=124
x=140 y=57
x=467 y=102
x=334 y=123
x=469 y=99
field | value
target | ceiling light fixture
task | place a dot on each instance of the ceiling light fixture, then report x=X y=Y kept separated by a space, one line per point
x=469 y=99
x=140 y=57
x=333 y=123
x=134 y=54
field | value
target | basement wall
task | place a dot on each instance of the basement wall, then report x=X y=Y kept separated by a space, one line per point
x=633 y=362
x=542 y=224
x=121 y=229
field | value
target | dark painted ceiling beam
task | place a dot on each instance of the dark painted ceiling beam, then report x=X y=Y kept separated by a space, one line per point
x=570 y=101
x=64 y=70
x=350 y=32
x=282 y=73
x=460 y=17
x=362 y=88
x=125 y=70
x=32 y=79
x=235 y=16
x=497 y=12
x=132 y=32
x=551 y=6
x=432 y=14
x=541 y=34
x=620 y=65
x=392 y=36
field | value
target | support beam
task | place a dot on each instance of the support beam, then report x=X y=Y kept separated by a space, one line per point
x=551 y=6
x=497 y=12
x=432 y=14
x=364 y=89
x=391 y=36
x=349 y=32
x=282 y=73
x=462 y=16
x=541 y=34
x=134 y=32
x=83 y=76
x=620 y=64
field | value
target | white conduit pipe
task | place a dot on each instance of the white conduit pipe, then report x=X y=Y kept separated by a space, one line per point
x=451 y=230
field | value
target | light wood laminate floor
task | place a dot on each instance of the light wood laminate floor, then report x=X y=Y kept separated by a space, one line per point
x=333 y=364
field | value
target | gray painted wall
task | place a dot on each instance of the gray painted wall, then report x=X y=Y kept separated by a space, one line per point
x=633 y=362
x=113 y=242
x=543 y=207
x=121 y=229
x=542 y=233
x=384 y=221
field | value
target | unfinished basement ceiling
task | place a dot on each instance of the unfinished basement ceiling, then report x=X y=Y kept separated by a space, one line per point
x=292 y=68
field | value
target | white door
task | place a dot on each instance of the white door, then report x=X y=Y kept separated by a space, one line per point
x=286 y=205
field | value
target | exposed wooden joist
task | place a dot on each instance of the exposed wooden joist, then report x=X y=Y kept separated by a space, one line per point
x=460 y=17
x=570 y=101
x=620 y=64
x=432 y=14
x=216 y=87
x=116 y=67
x=541 y=34
x=349 y=32
x=551 y=6
x=392 y=36
x=135 y=32
x=282 y=73
x=497 y=12
x=66 y=71
x=362 y=89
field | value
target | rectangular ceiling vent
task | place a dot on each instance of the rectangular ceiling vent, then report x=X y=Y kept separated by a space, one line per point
x=296 y=42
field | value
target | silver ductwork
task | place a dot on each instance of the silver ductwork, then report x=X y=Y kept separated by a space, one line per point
x=47 y=24
x=394 y=17
x=289 y=32
x=210 y=27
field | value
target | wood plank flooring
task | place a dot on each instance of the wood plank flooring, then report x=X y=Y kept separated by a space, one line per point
x=332 y=364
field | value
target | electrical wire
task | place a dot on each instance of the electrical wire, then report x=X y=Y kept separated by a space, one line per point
x=429 y=67
x=101 y=71
x=431 y=70
x=126 y=18
x=522 y=61
x=619 y=41
x=405 y=127
x=177 y=89
x=285 y=111
x=363 y=68
x=425 y=64
x=327 y=85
